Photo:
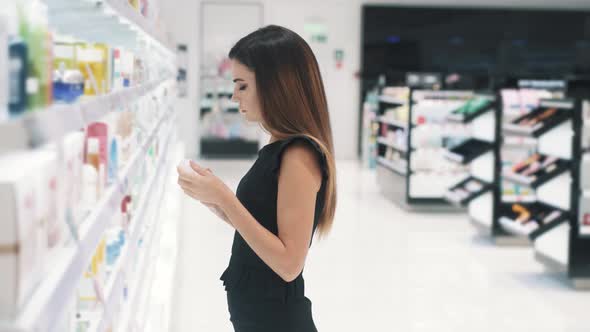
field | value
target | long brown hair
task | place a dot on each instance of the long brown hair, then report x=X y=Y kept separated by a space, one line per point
x=292 y=96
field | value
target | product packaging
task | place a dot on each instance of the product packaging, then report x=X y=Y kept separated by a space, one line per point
x=46 y=162
x=100 y=131
x=68 y=81
x=4 y=114
x=34 y=31
x=18 y=72
x=93 y=63
x=72 y=184
x=23 y=237
x=112 y=120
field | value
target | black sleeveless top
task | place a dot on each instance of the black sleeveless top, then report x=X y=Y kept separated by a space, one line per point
x=257 y=191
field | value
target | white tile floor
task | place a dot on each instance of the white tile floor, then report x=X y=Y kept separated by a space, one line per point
x=383 y=269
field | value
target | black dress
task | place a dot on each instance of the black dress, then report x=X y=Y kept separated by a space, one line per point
x=258 y=299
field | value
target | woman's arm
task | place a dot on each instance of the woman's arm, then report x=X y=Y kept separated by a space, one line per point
x=219 y=213
x=299 y=183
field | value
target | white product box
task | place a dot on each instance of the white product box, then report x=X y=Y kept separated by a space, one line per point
x=48 y=183
x=71 y=184
x=23 y=238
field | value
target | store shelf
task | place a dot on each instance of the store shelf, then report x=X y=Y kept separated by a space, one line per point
x=114 y=289
x=392 y=122
x=124 y=9
x=386 y=142
x=444 y=95
x=47 y=303
x=461 y=195
x=519 y=199
x=140 y=276
x=552 y=248
x=538 y=178
x=468 y=151
x=34 y=129
x=392 y=100
x=518 y=142
x=114 y=21
x=460 y=116
x=561 y=113
x=556 y=192
x=399 y=168
x=558 y=142
x=541 y=219
x=481 y=211
x=160 y=296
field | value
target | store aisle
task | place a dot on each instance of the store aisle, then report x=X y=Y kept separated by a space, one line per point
x=383 y=269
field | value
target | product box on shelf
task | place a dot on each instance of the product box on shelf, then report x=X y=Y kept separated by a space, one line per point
x=72 y=184
x=46 y=160
x=4 y=87
x=92 y=62
x=68 y=80
x=522 y=219
x=23 y=240
x=547 y=116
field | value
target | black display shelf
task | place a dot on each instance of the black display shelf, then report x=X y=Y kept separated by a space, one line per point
x=385 y=142
x=466 y=191
x=549 y=114
x=459 y=116
x=468 y=151
x=538 y=218
x=212 y=147
x=542 y=175
x=392 y=122
x=396 y=180
x=392 y=100
x=400 y=168
x=205 y=110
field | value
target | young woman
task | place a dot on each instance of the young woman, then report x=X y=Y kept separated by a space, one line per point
x=290 y=191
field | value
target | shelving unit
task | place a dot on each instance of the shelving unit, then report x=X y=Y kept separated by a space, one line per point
x=540 y=172
x=59 y=286
x=490 y=208
x=34 y=129
x=126 y=280
x=480 y=191
x=563 y=245
x=403 y=179
x=114 y=22
x=106 y=21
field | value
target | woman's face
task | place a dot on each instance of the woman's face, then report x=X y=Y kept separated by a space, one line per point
x=245 y=92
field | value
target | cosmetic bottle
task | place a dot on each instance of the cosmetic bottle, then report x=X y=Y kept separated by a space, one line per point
x=17 y=78
x=34 y=31
x=100 y=131
x=90 y=188
x=4 y=113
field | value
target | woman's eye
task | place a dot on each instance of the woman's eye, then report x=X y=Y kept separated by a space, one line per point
x=242 y=88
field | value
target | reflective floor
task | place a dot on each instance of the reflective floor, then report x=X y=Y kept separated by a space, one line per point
x=383 y=269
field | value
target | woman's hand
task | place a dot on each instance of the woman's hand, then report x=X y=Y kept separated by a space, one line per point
x=202 y=185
